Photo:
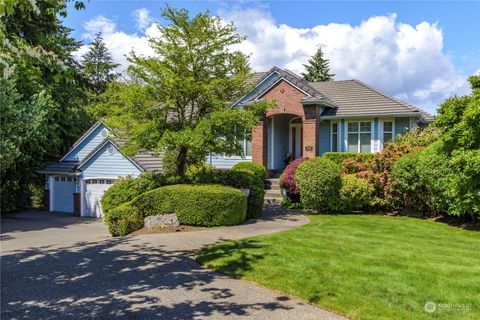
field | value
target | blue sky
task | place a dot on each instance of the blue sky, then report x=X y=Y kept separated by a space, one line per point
x=420 y=52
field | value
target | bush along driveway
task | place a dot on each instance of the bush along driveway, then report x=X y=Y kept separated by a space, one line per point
x=364 y=266
x=141 y=277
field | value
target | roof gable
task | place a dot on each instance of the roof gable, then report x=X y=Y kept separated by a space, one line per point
x=94 y=136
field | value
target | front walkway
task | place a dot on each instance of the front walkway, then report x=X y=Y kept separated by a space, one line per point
x=47 y=271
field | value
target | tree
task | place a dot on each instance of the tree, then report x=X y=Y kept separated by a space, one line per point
x=192 y=78
x=98 y=66
x=317 y=69
x=42 y=94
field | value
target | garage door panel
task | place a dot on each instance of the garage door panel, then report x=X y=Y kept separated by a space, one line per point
x=94 y=190
x=63 y=190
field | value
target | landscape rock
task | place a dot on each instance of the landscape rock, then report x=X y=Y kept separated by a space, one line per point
x=168 y=220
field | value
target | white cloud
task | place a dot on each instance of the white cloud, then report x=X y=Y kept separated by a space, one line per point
x=403 y=60
x=142 y=18
x=119 y=43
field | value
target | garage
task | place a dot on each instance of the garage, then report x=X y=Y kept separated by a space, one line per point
x=94 y=190
x=62 y=190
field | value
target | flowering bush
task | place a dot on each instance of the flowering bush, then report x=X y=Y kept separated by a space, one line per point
x=287 y=181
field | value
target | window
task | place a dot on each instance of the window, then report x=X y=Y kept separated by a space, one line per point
x=56 y=179
x=69 y=179
x=387 y=131
x=334 y=137
x=62 y=179
x=359 y=136
x=248 y=144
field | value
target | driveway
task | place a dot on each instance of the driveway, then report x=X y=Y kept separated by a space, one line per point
x=56 y=266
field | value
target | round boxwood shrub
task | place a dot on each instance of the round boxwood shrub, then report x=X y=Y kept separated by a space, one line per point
x=200 y=205
x=355 y=193
x=319 y=182
x=258 y=169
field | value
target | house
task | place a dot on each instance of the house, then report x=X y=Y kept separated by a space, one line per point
x=77 y=182
x=309 y=119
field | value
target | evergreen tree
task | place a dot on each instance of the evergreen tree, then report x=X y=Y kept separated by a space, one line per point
x=317 y=68
x=98 y=66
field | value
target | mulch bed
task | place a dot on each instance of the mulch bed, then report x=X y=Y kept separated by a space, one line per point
x=181 y=228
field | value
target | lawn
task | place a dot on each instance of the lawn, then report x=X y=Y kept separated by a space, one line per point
x=363 y=266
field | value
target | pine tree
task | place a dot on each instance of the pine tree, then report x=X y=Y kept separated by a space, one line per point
x=317 y=68
x=98 y=65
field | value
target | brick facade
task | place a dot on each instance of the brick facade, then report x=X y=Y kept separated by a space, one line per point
x=288 y=101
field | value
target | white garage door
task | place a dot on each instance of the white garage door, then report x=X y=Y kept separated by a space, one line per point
x=94 y=190
x=63 y=190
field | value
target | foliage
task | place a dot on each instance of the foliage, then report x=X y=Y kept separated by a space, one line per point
x=363 y=262
x=126 y=189
x=98 y=66
x=42 y=93
x=256 y=184
x=288 y=182
x=256 y=168
x=319 y=182
x=351 y=162
x=192 y=77
x=317 y=68
x=202 y=205
x=355 y=194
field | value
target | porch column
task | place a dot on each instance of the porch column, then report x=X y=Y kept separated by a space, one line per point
x=259 y=143
x=310 y=138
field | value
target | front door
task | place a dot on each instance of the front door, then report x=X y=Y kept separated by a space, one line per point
x=296 y=140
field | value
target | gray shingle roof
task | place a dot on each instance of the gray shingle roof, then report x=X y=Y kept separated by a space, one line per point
x=353 y=97
x=65 y=167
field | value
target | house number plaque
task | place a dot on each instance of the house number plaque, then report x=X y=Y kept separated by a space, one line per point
x=308 y=148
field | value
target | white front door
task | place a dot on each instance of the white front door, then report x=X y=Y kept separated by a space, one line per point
x=94 y=190
x=296 y=140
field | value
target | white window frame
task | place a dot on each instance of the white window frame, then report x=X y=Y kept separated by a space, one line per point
x=372 y=123
x=338 y=136
x=381 y=131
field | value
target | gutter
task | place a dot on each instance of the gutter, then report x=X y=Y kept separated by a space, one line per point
x=377 y=115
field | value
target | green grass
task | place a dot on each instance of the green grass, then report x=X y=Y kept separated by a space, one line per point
x=363 y=266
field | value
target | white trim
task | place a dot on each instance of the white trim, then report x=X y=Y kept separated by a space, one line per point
x=338 y=135
x=51 y=193
x=256 y=86
x=372 y=124
x=82 y=198
x=272 y=160
x=77 y=143
x=381 y=131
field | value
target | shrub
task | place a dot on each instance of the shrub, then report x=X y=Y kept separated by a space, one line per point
x=287 y=180
x=355 y=193
x=319 y=182
x=340 y=157
x=201 y=205
x=244 y=178
x=258 y=169
x=125 y=189
x=201 y=173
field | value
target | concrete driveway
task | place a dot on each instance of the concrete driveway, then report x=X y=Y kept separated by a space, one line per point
x=56 y=266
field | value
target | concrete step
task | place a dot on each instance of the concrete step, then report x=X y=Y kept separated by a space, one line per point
x=272 y=187
x=273 y=201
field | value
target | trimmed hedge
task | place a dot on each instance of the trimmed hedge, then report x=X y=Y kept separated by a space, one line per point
x=339 y=157
x=319 y=182
x=126 y=189
x=200 y=205
x=258 y=169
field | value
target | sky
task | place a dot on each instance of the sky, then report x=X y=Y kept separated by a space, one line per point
x=421 y=52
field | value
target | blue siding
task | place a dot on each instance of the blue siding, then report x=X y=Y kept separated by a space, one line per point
x=223 y=162
x=87 y=145
x=402 y=125
x=106 y=165
x=281 y=139
x=342 y=136
x=324 y=139
x=266 y=83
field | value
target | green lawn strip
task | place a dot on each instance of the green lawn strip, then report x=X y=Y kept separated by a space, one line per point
x=363 y=266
